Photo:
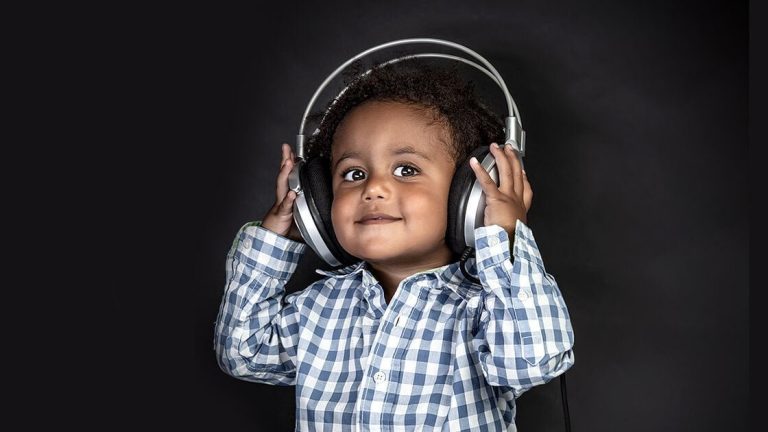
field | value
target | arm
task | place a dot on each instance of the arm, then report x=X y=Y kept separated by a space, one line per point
x=523 y=332
x=256 y=334
x=523 y=335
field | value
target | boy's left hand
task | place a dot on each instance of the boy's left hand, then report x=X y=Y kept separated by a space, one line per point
x=511 y=199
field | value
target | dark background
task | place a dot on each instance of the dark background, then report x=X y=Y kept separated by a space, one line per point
x=636 y=115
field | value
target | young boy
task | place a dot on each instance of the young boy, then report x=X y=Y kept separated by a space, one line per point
x=401 y=340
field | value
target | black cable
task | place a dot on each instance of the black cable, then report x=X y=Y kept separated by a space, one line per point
x=564 y=396
x=467 y=252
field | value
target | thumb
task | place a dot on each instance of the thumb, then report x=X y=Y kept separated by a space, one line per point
x=527 y=192
x=286 y=207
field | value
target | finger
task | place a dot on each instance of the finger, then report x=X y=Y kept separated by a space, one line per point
x=504 y=169
x=286 y=153
x=527 y=192
x=290 y=154
x=486 y=182
x=286 y=207
x=517 y=170
x=282 y=180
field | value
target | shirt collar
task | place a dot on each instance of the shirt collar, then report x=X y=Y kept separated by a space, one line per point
x=450 y=274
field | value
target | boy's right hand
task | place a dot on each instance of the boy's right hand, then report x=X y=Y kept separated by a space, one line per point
x=279 y=219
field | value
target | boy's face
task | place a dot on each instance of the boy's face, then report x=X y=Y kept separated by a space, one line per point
x=387 y=159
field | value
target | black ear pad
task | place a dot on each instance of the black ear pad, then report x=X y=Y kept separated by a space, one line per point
x=315 y=177
x=461 y=186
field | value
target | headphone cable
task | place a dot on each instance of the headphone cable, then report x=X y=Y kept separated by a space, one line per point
x=463 y=262
x=564 y=397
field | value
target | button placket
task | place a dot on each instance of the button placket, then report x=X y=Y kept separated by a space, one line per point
x=379 y=377
x=523 y=295
x=400 y=321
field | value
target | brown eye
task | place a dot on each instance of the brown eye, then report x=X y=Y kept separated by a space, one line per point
x=353 y=175
x=406 y=171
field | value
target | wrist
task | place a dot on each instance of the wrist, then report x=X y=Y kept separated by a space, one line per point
x=291 y=232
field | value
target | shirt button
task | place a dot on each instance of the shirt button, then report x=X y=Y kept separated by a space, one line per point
x=493 y=241
x=379 y=377
x=247 y=243
x=522 y=295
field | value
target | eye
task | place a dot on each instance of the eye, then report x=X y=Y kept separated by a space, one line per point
x=406 y=171
x=353 y=174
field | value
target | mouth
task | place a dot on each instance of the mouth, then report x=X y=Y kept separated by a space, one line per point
x=376 y=219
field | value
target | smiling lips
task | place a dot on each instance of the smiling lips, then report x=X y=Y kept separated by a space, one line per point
x=377 y=218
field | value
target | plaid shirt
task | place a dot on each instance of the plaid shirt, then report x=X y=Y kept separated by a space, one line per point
x=444 y=354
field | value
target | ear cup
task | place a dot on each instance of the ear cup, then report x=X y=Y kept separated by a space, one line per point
x=461 y=186
x=315 y=179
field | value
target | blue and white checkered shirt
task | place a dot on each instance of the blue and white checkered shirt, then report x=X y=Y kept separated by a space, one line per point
x=444 y=354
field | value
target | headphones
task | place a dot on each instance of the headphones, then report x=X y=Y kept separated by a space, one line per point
x=311 y=178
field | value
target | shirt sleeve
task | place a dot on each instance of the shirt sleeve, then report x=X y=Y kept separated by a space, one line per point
x=523 y=334
x=256 y=329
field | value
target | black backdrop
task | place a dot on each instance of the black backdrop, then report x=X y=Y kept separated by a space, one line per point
x=636 y=115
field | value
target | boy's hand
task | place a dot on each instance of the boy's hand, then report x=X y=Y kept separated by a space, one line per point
x=510 y=201
x=279 y=219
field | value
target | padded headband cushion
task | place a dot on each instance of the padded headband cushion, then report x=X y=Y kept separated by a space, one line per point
x=315 y=179
x=461 y=186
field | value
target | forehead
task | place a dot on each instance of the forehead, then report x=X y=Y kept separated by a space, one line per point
x=376 y=128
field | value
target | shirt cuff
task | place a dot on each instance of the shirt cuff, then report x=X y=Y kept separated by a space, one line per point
x=264 y=251
x=492 y=245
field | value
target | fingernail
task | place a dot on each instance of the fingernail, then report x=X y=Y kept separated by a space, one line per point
x=473 y=159
x=495 y=145
x=509 y=147
x=524 y=172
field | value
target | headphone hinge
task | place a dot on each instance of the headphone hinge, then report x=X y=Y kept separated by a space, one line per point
x=515 y=135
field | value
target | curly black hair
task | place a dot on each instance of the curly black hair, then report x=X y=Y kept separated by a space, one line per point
x=441 y=92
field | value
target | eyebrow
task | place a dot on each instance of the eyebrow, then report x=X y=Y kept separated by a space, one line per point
x=410 y=150
x=397 y=151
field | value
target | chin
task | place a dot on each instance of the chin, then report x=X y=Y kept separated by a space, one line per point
x=376 y=256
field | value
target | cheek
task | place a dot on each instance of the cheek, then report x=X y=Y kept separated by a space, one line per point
x=429 y=206
x=342 y=219
x=341 y=210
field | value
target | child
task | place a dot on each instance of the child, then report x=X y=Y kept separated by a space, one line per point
x=400 y=340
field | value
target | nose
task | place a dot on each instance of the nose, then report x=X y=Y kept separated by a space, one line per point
x=376 y=187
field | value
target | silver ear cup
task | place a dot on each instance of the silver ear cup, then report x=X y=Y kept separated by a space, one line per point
x=474 y=215
x=302 y=215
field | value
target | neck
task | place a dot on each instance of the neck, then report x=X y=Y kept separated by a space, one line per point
x=390 y=275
